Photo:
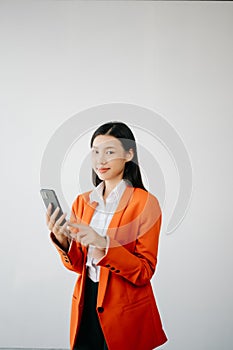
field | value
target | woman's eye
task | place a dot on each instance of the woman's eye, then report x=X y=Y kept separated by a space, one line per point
x=94 y=151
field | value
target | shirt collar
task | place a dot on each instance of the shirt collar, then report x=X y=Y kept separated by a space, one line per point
x=97 y=194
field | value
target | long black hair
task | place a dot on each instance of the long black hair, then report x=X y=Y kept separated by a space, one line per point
x=122 y=132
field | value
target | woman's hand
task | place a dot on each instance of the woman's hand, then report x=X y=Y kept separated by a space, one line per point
x=86 y=235
x=61 y=232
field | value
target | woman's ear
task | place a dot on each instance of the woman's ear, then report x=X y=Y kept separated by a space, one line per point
x=129 y=155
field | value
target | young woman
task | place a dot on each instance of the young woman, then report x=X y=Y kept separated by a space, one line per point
x=111 y=242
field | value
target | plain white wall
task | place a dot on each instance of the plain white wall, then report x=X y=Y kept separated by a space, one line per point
x=62 y=57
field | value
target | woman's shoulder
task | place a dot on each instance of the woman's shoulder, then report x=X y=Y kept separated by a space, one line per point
x=141 y=194
x=144 y=201
x=147 y=205
x=83 y=197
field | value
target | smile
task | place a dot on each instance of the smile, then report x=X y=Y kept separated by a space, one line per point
x=103 y=170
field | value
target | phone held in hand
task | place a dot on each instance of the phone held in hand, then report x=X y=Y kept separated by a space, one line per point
x=49 y=196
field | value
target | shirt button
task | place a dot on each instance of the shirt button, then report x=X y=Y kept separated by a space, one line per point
x=100 y=309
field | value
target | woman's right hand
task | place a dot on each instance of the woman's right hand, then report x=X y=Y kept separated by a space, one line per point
x=61 y=232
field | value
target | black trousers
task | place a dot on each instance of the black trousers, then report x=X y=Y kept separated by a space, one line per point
x=90 y=336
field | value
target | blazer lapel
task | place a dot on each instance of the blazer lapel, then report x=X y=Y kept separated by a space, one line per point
x=88 y=211
x=115 y=222
x=111 y=232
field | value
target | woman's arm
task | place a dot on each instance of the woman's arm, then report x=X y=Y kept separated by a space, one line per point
x=70 y=251
x=138 y=266
x=71 y=259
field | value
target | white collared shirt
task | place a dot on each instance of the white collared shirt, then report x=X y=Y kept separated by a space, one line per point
x=101 y=219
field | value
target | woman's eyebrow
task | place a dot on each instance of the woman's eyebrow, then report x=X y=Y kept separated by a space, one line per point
x=104 y=147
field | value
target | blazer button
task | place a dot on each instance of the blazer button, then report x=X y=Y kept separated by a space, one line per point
x=107 y=265
x=117 y=271
x=100 y=309
x=112 y=268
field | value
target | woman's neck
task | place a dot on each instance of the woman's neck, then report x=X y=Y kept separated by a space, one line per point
x=109 y=186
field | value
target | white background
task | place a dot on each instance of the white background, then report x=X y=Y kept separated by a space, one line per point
x=62 y=57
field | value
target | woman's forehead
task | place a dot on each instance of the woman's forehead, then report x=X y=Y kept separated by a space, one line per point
x=106 y=141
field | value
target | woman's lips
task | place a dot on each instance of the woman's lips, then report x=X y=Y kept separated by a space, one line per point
x=103 y=170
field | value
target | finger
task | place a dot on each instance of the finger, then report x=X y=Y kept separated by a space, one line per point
x=74 y=230
x=79 y=226
x=54 y=215
x=73 y=227
x=73 y=236
x=48 y=213
x=52 y=227
x=80 y=236
x=65 y=230
x=49 y=209
x=58 y=230
x=62 y=230
x=65 y=225
x=76 y=236
x=59 y=221
x=72 y=224
x=85 y=241
x=80 y=240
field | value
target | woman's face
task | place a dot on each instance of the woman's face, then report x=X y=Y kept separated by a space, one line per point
x=109 y=157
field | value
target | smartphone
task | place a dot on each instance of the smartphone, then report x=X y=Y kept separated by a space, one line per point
x=49 y=196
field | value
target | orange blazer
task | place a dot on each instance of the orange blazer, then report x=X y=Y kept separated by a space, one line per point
x=126 y=306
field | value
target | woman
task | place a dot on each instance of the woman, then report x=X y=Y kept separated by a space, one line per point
x=111 y=242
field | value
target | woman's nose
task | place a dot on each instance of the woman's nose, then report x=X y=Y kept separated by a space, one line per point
x=101 y=159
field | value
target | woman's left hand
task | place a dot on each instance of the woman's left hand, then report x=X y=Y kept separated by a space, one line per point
x=86 y=235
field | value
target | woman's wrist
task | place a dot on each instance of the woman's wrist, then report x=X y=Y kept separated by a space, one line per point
x=63 y=242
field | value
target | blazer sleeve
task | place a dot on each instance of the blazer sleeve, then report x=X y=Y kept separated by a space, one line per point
x=72 y=259
x=138 y=266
